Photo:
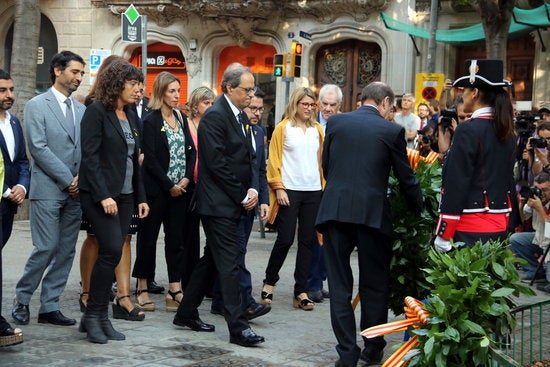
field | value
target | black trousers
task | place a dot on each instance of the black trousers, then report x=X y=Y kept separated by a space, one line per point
x=3 y=323
x=170 y=212
x=191 y=241
x=221 y=255
x=374 y=253
x=302 y=209
x=110 y=231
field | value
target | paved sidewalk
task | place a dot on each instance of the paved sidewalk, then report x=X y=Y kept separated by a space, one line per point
x=293 y=337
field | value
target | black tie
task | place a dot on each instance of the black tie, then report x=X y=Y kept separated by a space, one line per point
x=242 y=122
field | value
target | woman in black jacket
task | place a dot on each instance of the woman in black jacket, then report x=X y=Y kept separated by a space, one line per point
x=168 y=170
x=110 y=184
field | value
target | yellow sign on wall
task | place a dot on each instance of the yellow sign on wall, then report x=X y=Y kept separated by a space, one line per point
x=428 y=86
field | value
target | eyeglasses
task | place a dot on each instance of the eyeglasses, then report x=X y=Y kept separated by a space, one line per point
x=247 y=90
x=308 y=105
x=256 y=109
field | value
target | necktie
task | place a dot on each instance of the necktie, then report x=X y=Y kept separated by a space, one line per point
x=69 y=118
x=242 y=122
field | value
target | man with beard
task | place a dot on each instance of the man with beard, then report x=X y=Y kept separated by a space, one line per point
x=52 y=120
x=16 y=185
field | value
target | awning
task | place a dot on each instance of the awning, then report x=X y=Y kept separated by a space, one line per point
x=522 y=21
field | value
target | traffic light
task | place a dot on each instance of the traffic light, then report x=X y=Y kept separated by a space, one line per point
x=279 y=65
x=295 y=59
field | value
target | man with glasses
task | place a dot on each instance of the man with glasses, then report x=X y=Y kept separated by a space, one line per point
x=530 y=245
x=228 y=188
x=252 y=309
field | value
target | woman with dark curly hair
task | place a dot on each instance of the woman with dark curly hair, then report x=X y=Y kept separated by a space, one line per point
x=110 y=184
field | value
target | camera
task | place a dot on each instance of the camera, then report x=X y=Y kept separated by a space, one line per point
x=538 y=143
x=530 y=192
x=525 y=124
x=447 y=118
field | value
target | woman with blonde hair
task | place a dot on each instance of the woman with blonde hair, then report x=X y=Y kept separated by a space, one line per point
x=296 y=181
x=168 y=170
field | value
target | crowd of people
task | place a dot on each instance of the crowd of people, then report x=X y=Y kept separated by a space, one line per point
x=126 y=164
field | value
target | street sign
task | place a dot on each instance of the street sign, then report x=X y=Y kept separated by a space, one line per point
x=131 y=25
x=96 y=59
x=428 y=86
x=305 y=35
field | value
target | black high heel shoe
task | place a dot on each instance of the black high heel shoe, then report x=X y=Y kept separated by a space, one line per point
x=119 y=312
x=81 y=303
x=10 y=336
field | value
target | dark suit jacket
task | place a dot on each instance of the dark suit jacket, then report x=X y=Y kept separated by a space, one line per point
x=16 y=171
x=259 y=134
x=157 y=154
x=227 y=163
x=104 y=153
x=360 y=149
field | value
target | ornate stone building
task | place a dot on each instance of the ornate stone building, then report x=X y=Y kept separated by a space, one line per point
x=349 y=44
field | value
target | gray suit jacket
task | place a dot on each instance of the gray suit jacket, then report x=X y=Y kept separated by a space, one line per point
x=55 y=154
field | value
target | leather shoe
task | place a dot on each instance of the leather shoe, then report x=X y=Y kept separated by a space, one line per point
x=20 y=313
x=193 y=324
x=217 y=310
x=246 y=338
x=153 y=287
x=55 y=318
x=315 y=296
x=256 y=310
x=371 y=356
x=340 y=363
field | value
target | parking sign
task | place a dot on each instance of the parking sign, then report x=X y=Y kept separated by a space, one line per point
x=96 y=58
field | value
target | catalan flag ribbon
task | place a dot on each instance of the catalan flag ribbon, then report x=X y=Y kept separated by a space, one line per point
x=415 y=315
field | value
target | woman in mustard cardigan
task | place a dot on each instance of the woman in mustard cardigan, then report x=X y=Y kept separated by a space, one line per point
x=296 y=181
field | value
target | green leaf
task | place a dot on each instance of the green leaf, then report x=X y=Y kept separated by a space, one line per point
x=502 y=292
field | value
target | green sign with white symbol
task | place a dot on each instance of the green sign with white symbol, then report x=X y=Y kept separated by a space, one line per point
x=131 y=25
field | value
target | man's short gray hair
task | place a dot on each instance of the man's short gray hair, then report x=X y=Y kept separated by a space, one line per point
x=377 y=91
x=232 y=75
x=331 y=88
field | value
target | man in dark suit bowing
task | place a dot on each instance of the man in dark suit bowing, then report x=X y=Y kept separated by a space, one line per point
x=360 y=149
x=227 y=187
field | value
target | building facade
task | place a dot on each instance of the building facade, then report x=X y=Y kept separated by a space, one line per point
x=345 y=42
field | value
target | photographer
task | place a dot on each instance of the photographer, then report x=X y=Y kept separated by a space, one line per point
x=536 y=152
x=529 y=245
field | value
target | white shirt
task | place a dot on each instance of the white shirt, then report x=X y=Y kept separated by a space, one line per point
x=300 y=166
x=9 y=138
x=61 y=100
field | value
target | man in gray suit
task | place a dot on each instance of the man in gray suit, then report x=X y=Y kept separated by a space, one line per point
x=52 y=122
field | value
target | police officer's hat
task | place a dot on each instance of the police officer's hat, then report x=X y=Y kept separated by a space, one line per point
x=482 y=74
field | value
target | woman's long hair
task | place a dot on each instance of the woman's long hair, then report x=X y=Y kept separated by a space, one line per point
x=159 y=88
x=111 y=83
x=102 y=68
x=499 y=100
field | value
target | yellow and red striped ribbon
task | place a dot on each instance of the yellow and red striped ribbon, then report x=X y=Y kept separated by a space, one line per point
x=415 y=314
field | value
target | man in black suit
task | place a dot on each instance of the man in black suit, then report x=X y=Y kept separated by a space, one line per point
x=360 y=149
x=252 y=309
x=16 y=164
x=227 y=187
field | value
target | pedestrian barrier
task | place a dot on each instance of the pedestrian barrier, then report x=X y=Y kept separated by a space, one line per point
x=530 y=342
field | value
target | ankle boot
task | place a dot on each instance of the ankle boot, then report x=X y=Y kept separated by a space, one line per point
x=91 y=324
x=109 y=330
